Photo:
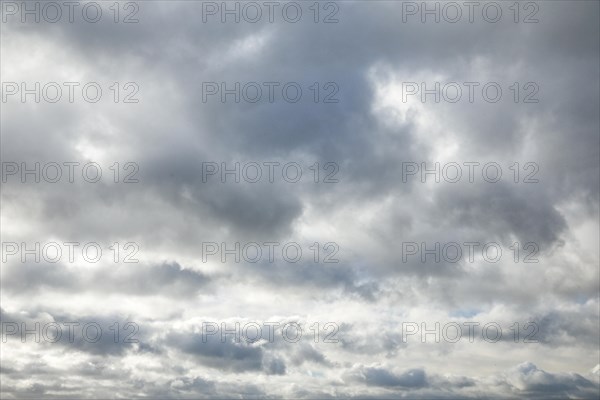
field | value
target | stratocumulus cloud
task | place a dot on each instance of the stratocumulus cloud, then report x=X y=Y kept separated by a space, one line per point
x=310 y=199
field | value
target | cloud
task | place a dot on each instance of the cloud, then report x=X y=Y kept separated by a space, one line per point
x=369 y=134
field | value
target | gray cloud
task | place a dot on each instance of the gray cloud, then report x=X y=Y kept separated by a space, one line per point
x=369 y=133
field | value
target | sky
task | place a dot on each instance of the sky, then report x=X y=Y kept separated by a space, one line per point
x=311 y=199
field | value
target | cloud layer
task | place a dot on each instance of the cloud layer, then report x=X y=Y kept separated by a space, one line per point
x=358 y=290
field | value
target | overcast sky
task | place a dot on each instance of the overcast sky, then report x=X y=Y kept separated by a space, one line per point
x=363 y=253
